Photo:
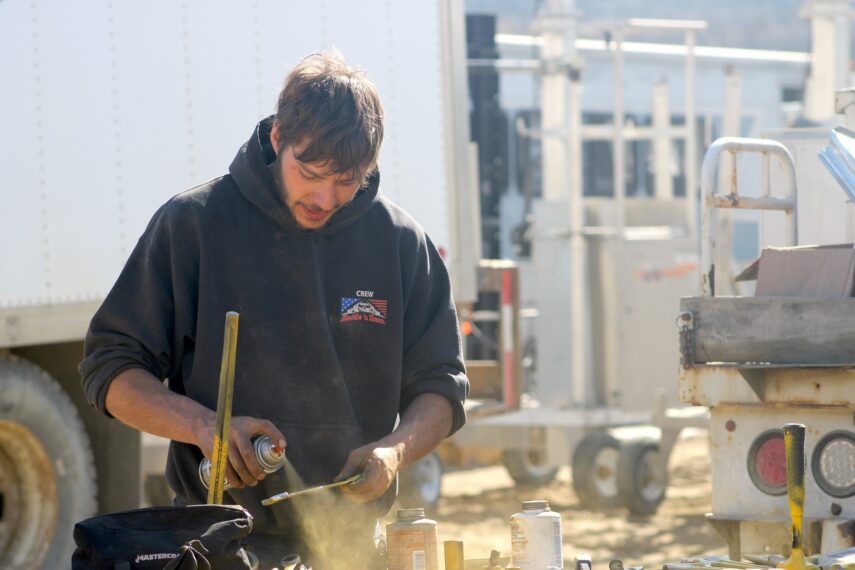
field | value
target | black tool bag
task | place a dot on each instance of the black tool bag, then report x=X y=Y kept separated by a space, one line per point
x=203 y=536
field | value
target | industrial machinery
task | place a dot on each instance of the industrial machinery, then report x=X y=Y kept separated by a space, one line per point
x=784 y=355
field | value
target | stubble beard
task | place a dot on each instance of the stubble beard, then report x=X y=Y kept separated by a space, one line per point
x=279 y=180
x=282 y=189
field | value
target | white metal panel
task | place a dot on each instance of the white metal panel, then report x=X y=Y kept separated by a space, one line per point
x=552 y=259
x=222 y=44
x=422 y=129
x=777 y=386
x=22 y=267
x=80 y=158
x=825 y=214
x=114 y=107
x=734 y=494
x=652 y=276
x=151 y=92
x=461 y=158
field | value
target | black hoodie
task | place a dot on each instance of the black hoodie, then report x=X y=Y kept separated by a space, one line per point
x=340 y=328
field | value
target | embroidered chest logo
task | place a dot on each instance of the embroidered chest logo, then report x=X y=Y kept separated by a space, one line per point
x=364 y=307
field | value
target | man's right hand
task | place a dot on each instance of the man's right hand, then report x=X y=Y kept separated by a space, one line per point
x=141 y=401
x=243 y=467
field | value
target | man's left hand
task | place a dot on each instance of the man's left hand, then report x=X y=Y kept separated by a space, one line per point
x=378 y=465
x=425 y=422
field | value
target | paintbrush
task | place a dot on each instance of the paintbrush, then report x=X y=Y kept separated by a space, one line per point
x=286 y=495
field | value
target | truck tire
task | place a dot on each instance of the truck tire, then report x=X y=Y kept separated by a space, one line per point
x=47 y=470
x=420 y=484
x=594 y=469
x=640 y=484
x=526 y=467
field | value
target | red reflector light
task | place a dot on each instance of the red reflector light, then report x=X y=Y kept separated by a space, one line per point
x=767 y=463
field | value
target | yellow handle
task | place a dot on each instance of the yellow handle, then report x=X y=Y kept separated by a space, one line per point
x=794 y=447
x=220 y=454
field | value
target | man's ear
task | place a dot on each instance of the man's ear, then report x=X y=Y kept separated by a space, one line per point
x=274 y=137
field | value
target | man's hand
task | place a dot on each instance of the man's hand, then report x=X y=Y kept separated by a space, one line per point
x=423 y=425
x=378 y=464
x=141 y=401
x=243 y=467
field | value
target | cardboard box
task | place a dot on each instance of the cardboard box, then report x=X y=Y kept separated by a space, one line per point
x=826 y=271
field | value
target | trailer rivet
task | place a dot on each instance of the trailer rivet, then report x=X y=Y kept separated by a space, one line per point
x=836 y=509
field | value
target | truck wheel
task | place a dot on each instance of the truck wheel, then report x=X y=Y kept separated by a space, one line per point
x=47 y=471
x=641 y=485
x=595 y=469
x=526 y=467
x=420 y=484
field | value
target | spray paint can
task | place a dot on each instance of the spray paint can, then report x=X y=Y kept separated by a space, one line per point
x=270 y=457
x=536 y=537
x=411 y=541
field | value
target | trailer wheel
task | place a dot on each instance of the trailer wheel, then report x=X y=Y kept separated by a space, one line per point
x=595 y=470
x=420 y=484
x=47 y=472
x=526 y=467
x=641 y=485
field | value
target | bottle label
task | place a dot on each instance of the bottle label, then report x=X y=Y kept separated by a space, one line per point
x=519 y=541
x=557 y=547
x=411 y=550
x=419 y=560
x=536 y=543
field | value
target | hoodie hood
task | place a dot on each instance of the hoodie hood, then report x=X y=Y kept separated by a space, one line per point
x=252 y=171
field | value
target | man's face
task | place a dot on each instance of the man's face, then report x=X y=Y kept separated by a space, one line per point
x=312 y=191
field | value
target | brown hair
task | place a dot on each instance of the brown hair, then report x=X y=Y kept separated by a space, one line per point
x=336 y=110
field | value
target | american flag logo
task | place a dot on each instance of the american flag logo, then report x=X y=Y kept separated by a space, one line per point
x=362 y=309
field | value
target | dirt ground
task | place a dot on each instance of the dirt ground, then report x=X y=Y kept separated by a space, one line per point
x=476 y=505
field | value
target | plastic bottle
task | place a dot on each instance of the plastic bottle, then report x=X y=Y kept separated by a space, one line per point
x=411 y=541
x=536 y=537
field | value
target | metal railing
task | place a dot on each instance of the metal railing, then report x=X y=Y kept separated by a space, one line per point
x=712 y=201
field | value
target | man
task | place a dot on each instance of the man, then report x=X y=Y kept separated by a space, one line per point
x=346 y=321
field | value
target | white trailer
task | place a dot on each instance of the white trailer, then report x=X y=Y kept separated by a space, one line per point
x=108 y=109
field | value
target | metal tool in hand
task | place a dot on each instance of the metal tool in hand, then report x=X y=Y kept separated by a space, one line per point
x=219 y=456
x=285 y=496
x=794 y=447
